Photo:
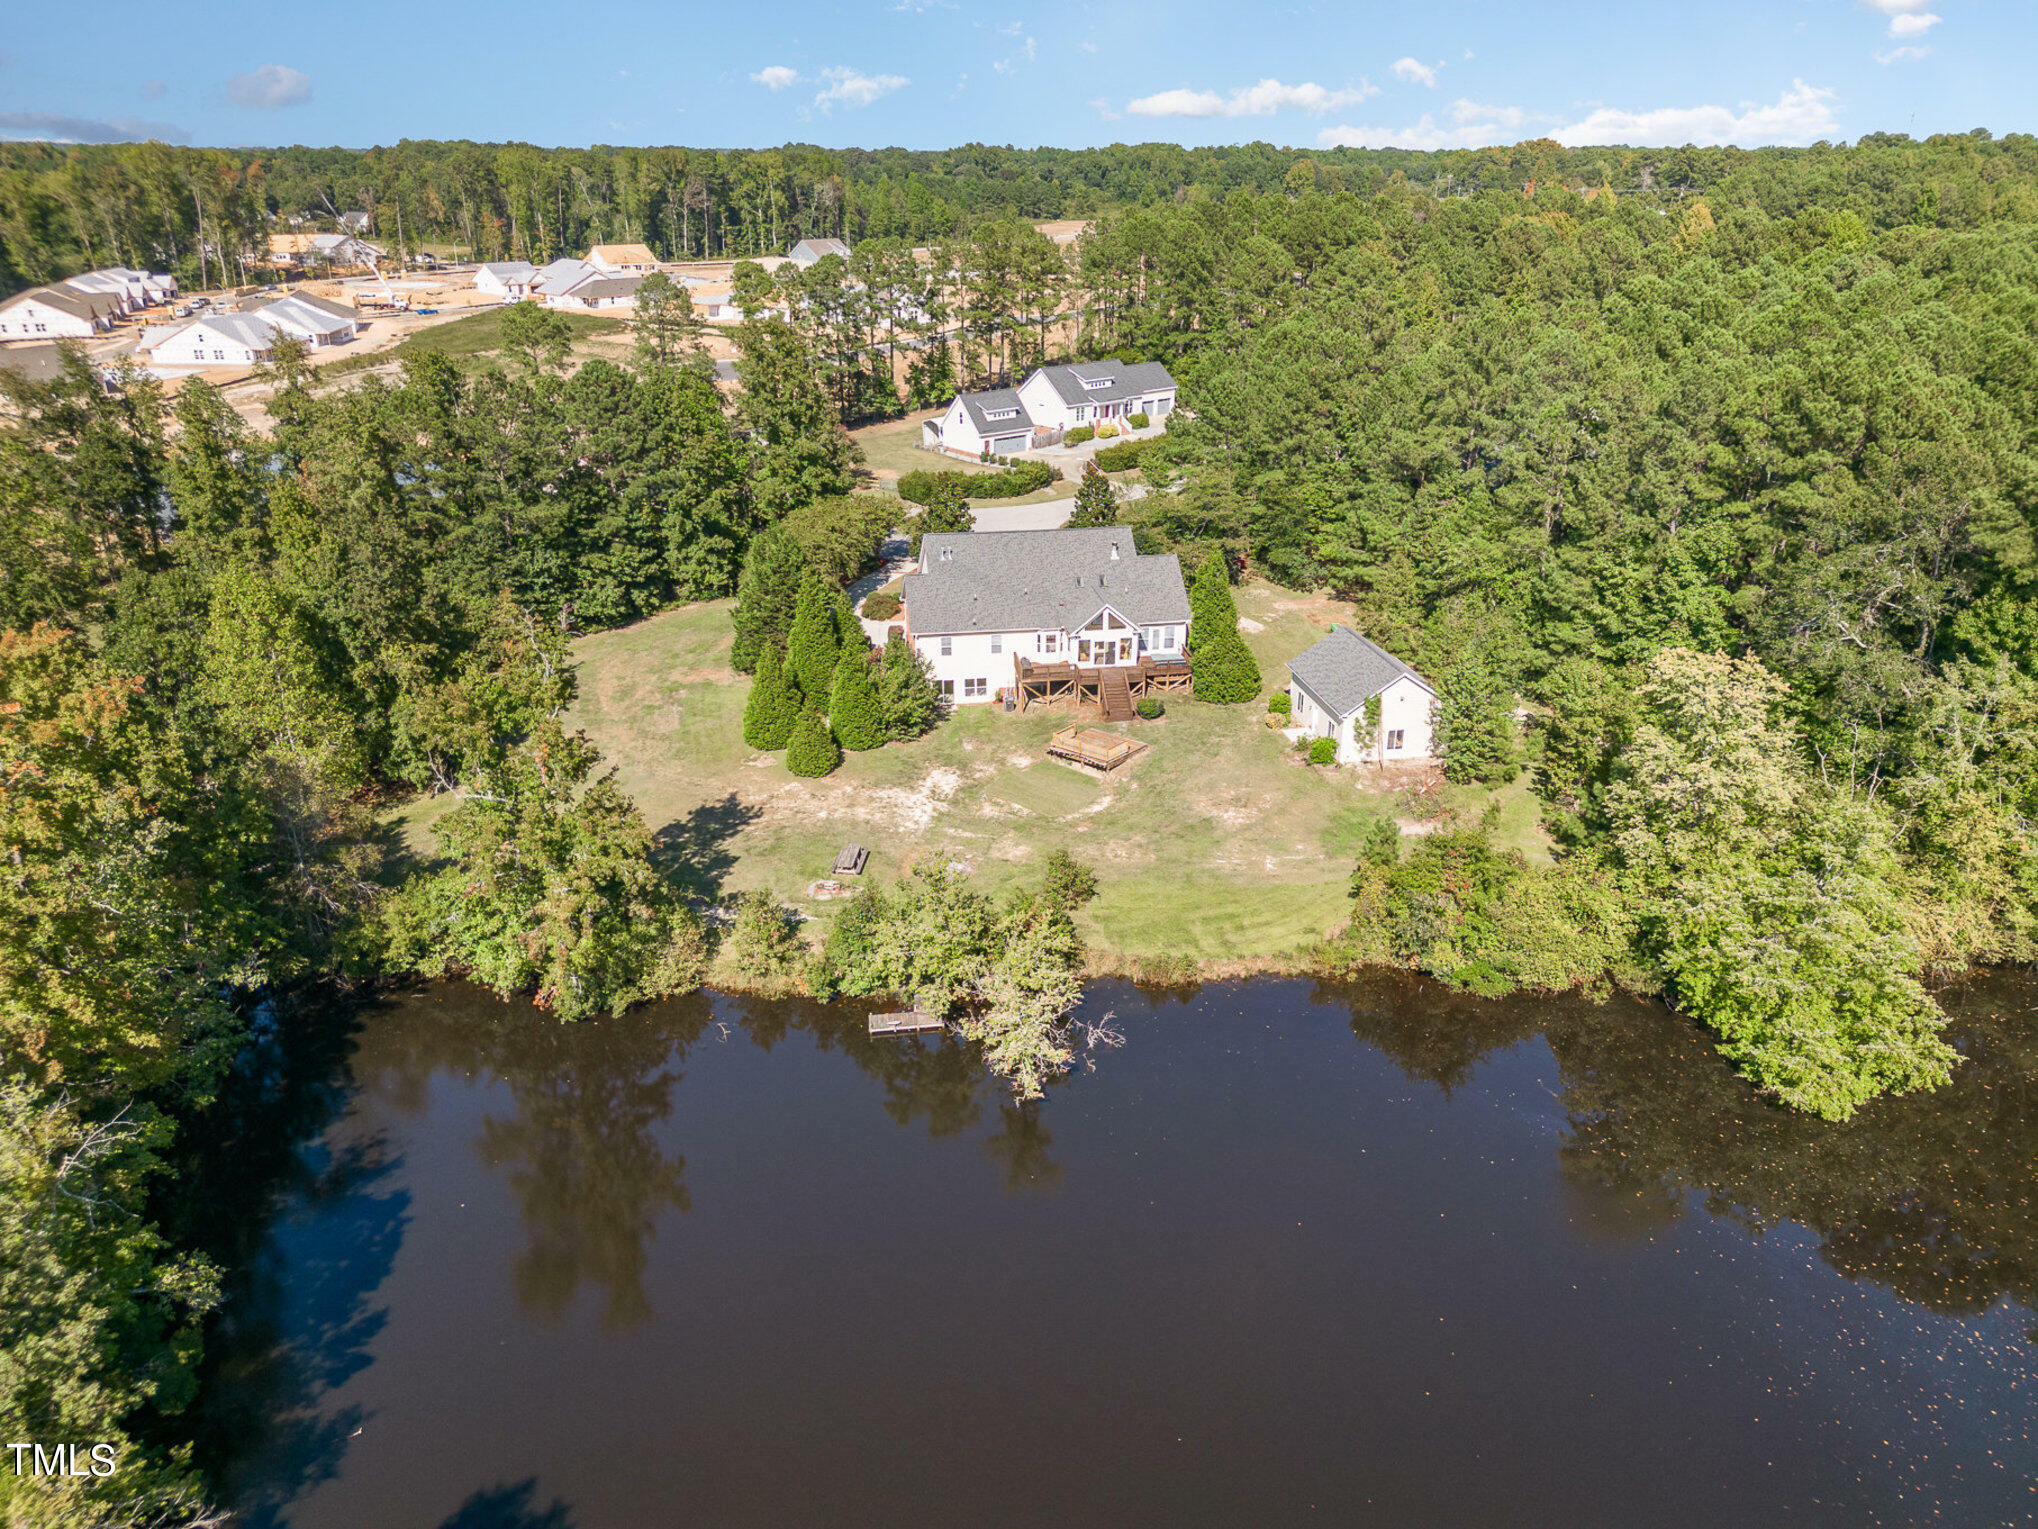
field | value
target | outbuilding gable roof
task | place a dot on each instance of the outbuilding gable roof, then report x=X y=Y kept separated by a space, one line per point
x=303 y=311
x=607 y=286
x=509 y=270
x=1030 y=581
x=78 y=304
x=819 y=248
x=1345 y=670
x=622 y=254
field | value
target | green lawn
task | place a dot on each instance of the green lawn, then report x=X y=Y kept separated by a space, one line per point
x=1215 y=844
x=480 y=334
x=891 y=447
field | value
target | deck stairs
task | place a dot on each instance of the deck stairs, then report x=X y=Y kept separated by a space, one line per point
x=1115 y=695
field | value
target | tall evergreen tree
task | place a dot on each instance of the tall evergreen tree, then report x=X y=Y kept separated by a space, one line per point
x=906 y=690
x=767 y=596
x=772 y=709
x=853 y=709
x=1096 y=503
x=1223 y=667
x=1475 y=729
x=945 y=510
x=812 y=647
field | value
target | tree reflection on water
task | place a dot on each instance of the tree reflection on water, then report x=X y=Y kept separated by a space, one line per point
x=1929 y=1194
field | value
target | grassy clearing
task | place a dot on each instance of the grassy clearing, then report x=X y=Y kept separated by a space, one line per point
x=890 y=448
x=1216 y=844
x=471 y=343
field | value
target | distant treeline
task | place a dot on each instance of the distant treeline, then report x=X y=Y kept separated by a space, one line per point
x=66 y=208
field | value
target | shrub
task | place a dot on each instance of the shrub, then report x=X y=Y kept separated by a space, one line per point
x=1137 y=421
x=1223 y=666
x=1323 y=751
x=763 y=941
x=813 y=750
x=1150 y=707
x=1279 y=704
x=1079 y=434
x=1125 y=455
x=813 y=645
x=922 y=487
x=1106 y=430
x=905 y=690
x=881 y=607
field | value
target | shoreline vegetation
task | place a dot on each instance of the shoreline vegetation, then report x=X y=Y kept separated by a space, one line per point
x=1700 y=483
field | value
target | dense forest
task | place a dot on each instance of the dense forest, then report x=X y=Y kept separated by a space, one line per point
x=205 y=214
x=1702 y=482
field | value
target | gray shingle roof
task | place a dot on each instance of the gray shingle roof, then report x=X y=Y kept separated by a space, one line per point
x=298 y=301
x=1126 y=379
x=1030 y=581
x=819 y=248
x=607 y=286
x=509 y=270
x=981 y=405
x=1344 y=670
x=79 y=304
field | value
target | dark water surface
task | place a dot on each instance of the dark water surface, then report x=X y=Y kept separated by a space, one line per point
x=1367 y=1255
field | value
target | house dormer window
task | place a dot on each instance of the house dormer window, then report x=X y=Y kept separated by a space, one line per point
x=1001 y=414
x=1100 y=382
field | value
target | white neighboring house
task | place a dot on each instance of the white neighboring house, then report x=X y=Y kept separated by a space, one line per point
x=812 y=251
x=58 y=313
x=979 y=600
x=314 y=320
x=1052 y=398
x=220 y=339
x=1330 y=684
x=141 y=289
x=561 y=277
x=623 y=259
x=509 y=279
x=322 y=249
x=599 y=292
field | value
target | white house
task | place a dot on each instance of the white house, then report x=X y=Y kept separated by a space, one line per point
x=599 y=292
x=140 y=289
x=321 y=250
x=622 y=259
x=1051 y=399
x=314 y=320
x=220 y=339
x=812 y=251
x=510 y=279
x=58 y=313
x=1329 y=688
x=978 y=601
x=561 y=277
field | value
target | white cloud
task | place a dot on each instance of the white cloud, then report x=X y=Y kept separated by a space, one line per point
x=1800 y=115
x=1087 y=46
x=269 y=87
x=852 y=87
x=1414 y=72
x=1901 y=55
x=776 y=76
x=1029 y=50
x=1912 y=24
x=1104 y=109
x=1257 y=100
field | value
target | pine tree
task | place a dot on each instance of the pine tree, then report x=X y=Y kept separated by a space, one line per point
x=767 y=596
x=1096 y=503
x=1223 y=667
x=1475 y=731
x=853 y=709
x=813 y=750
x=769 y=714
x=849 y=632
x=811 y=648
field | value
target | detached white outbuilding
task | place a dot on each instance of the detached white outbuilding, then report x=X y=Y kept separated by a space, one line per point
x=505 y=278
x=1330 y=685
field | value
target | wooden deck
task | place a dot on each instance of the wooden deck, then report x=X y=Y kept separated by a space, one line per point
x=1113 y=687
x=906 y=1022
x=1093 y=748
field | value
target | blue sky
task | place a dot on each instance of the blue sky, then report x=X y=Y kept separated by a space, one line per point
x=932 y=73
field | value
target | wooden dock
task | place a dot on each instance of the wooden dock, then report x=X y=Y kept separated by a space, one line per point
x=906 y=1022
x=1092 y=748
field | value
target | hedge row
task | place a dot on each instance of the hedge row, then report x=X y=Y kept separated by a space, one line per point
x=1020 y=478
x=1125 y=454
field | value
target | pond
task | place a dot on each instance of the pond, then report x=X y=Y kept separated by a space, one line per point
x=1359 y=1254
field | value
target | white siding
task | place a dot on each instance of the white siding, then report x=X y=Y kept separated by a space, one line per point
x=1404 y=708
x=29 y=319
x=970 y=658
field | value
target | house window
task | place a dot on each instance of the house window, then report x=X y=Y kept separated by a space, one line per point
x=1394 y=741
x=997 y=644
x=947 y=689
x=975 y=689
x=1046 y=642
x=1001 y=413
x=1101 y=382
x=948 y=647
x=1167 y=639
